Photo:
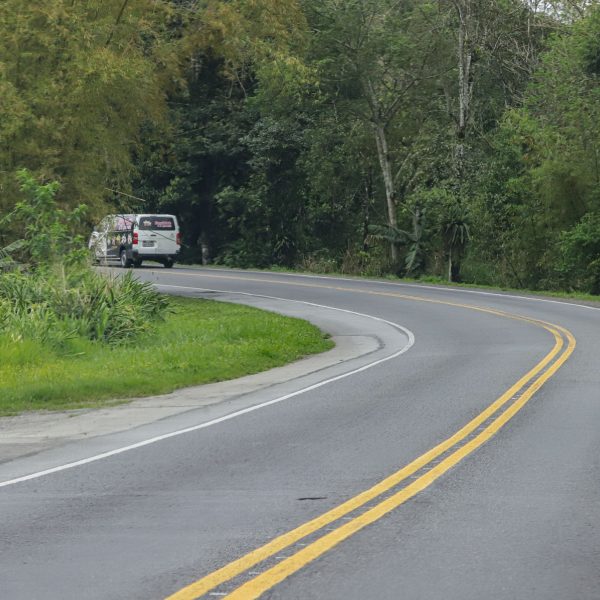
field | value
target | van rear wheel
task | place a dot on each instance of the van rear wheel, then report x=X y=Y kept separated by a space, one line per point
x=125 y=262
x=168 y=263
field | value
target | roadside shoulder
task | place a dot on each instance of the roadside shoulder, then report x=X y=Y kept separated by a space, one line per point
x=358 y=340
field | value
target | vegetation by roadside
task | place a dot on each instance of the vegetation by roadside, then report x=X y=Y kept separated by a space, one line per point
x=579 y=296
x=447 y=138
x=71 y=337
x=428 y=280
x=198 y=342
x=48 y=292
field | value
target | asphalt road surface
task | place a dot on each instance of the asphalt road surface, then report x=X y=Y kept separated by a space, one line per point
x=465 y=465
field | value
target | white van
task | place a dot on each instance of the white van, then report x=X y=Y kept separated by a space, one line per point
x=131 y=239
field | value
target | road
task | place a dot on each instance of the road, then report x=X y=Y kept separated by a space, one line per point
x=463 y=465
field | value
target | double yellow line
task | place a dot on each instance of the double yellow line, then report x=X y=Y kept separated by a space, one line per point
x=354 y=514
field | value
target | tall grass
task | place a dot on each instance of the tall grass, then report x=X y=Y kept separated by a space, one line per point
x=56 y=305
x=48 y=290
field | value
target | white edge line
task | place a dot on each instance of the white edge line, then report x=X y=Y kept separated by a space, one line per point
x=437 y=288
x=166 y=436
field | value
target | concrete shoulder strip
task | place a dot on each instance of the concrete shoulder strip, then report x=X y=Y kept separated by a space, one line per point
x=362 y=342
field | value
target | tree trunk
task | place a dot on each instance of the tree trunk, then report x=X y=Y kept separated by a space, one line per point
x=388 y=180
x=117 y=21
x=366 y=208
x=204 y=248
x=465 y=81
x=450 y=264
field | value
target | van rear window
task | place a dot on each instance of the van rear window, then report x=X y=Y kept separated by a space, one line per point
x=123 y=222
x=161 y=223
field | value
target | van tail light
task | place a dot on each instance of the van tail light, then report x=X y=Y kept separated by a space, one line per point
x=135 y=238
x=178 y=238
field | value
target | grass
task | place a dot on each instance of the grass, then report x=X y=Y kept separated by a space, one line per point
x=582 y=296
x=200 y=342
x=426 y=280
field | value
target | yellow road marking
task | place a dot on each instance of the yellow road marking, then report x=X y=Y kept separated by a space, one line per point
x=261 y=583
x=265 y=581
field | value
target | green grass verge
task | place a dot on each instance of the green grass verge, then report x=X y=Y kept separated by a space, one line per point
x=425 y=280
x=438 y=281
x=199 y=342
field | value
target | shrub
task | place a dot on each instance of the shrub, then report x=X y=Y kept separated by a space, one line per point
x=579 y=262
x=51 y=294
x=54 y=307
x=49 y=233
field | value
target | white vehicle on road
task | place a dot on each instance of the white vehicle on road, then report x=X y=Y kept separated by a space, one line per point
x=131 y=239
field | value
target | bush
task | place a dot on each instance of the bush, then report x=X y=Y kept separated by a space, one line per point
x=50 y=293
x=56 y=306
x=49 y=233
x=579 y=247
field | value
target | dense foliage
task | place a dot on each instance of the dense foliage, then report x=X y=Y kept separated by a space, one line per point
x=455 y=138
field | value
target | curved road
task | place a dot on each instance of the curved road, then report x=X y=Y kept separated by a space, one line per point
x=464 y=466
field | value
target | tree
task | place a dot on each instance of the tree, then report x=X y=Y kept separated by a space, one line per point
x=494 y=51
x=77 y=82
x=541 y=178
x=373 y=55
